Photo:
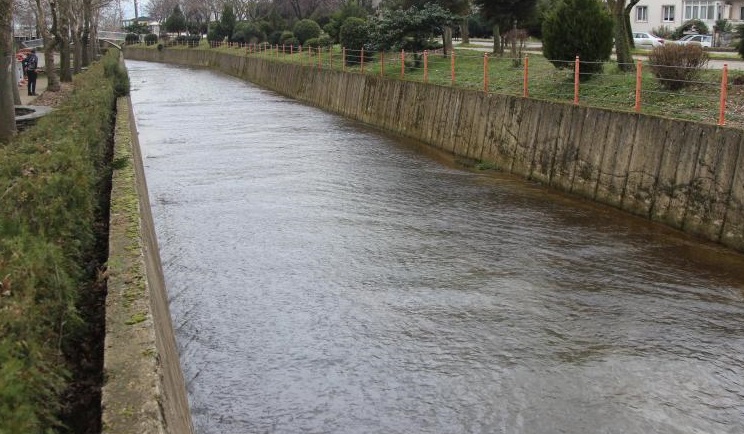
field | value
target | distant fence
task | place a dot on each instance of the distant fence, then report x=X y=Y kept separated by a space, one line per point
x=713 y=97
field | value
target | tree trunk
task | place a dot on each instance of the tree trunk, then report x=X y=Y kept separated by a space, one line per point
x=628 y=27
x=447 y=40
x=497 y=48
x=465 y=30
x=7 y=57
x=77 y=50
x=86 y=52
x=622 y=42
x=61 y=32
x=49 y=44
x=16 y=79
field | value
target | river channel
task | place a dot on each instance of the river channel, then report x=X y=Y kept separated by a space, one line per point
x=325 y=277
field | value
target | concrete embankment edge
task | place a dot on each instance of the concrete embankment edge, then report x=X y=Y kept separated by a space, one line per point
x=684 y=174
x=144 y=389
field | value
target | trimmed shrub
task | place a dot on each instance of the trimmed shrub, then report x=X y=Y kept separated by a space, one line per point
x=285 y=36
x=306 y=29
x=690 y=26
x=676 y=66
x=151 y=39
x=275 y=37
x=324 y=41
x=354 y=33
x=291 y=42
x=740 y=37
x=578 y=28
x=248 y=33
x=131 y=38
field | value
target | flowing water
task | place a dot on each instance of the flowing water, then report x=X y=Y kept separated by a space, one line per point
x=325 y=277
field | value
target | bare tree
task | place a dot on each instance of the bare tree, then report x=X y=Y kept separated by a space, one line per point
x=160 y=10
x=301 y=9
x=620 y=11
x=49 y=44
x=7 y=56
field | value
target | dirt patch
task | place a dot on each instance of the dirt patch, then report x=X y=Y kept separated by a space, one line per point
x=55 y=98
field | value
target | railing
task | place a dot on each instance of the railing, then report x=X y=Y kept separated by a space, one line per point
x=103 y=35
x=112 y=36
x=711 y=97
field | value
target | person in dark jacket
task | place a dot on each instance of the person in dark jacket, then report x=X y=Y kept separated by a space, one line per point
x=31 y=64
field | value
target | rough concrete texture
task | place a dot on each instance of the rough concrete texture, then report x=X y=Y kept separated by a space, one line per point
x=680 y=173
x=143 y=390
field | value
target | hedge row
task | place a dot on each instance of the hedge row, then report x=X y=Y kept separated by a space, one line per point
x=51 y=180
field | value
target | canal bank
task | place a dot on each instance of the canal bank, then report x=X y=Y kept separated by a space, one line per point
x=144 y=391
x=682 y=174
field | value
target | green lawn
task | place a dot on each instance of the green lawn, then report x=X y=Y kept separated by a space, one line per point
x=612 y=88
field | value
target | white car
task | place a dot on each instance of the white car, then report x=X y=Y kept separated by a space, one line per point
x=647 y=40
x=704 y=40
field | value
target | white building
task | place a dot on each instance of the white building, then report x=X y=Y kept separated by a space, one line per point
x=651 y=14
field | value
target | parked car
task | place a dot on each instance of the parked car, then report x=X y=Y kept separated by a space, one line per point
x=647 y=40
x=704 y=40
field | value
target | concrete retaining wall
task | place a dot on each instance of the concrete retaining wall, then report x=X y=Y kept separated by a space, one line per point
x=684 y=174
x=144 y=390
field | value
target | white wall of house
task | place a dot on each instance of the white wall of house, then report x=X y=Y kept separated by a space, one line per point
x=651 y=14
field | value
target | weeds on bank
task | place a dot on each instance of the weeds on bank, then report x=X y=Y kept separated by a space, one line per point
x=51 y=182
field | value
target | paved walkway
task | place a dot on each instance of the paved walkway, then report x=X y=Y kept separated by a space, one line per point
x=41 y=85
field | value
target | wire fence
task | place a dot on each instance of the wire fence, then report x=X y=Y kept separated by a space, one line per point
x=710 y=97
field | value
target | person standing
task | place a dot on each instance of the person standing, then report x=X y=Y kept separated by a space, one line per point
x=32 y=63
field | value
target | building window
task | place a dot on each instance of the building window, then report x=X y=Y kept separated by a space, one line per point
x=667 y=14
x=700 y=10
x=642 y=14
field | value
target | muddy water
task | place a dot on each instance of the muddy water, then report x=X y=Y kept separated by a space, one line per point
x=327 y=278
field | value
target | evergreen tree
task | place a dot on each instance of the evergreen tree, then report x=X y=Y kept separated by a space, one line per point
x=578 y=28
x=227 y=22
x=176 y=22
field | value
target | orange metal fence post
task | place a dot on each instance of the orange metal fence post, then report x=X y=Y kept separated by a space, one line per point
x=576 y=81
x=639 y=83
x=402 y=63
x=525 y=80
x=320 y=59
x=382 y=63
x=485 y=72
x=426 y=66
x=724 y=93
x=291 y=49
x=362 y=59
x=330 y=58
x=452 y=67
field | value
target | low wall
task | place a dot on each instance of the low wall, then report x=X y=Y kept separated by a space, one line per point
x=144 y=390
x=684 y=174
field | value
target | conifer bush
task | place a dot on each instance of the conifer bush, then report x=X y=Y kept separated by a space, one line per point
x=306 y=29
x=353 y=35
x=578 y=28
